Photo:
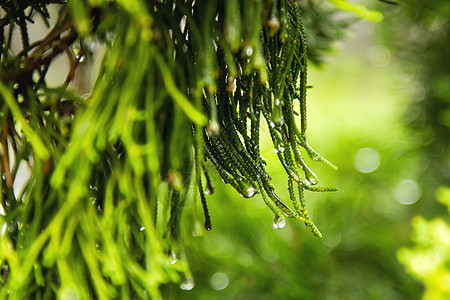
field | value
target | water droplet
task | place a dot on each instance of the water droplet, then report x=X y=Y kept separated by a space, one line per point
x=209 y=189
x=142 y=228
x=207 y=224
x=183 y=23
x=272 y=124
x=187 y=284
x=249 y=50
x=175 y=180
x=109 y=36
x=91 y=45
x=316 y=158
x=197 y=231
x=279 y=149
x=213 y=129
x=172 y=257
x=263 y=161
x=86 y=95
x=36 y=76
x=277 y=114
x=231 y=86
x=274 y=25
x=245 y=189
x=310 y=181
x=279 y=222
x=3 y=230
x=279 y=146
x=250 y=192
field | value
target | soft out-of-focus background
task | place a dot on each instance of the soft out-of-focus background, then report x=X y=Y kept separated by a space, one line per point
x=378 y=109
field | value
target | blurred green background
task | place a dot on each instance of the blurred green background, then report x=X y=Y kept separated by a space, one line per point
x=372 y=112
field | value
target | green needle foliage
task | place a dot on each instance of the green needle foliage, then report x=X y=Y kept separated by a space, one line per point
x=182 y=85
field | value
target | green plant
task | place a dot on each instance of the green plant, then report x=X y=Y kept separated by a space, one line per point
x=429 y=259
x=110 y=175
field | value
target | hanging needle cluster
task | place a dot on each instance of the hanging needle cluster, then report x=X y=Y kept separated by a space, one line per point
x=183 y=87
x=262 y=79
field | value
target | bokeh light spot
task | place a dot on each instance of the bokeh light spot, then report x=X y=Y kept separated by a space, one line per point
x=367 y=160
x=379 y=55
x=245 y=259
x=332 y=241
x=407 y=192
x=219 y=281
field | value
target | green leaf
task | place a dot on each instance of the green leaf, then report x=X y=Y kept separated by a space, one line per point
x=37 y=144
x=358 y=9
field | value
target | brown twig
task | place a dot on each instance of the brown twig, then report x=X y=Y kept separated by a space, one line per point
x=5 y=156
x=44 y=51
x=74 y=61
x=34 y=64
x=53 y=35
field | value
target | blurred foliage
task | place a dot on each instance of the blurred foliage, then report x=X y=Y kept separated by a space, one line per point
x=108 y=176
x=429 y=259
x=418 y=34
x=358 y=9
